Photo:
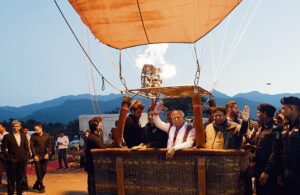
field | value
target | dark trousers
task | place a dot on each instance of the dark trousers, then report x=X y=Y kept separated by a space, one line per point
x=25 y=180
x=1 y=170
x=269 y=188
x=291 y=181
x=247 y=181
x=15 y=173
x=62 y=155
x=91 y=183
x=40 y=170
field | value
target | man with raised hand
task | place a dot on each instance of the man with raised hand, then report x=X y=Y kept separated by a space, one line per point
x=223 y=133
x=180 y=134
x=267 y=151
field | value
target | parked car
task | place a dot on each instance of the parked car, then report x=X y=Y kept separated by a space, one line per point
x=75 y=143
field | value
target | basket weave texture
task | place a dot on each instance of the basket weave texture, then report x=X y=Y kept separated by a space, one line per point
x=152 y=174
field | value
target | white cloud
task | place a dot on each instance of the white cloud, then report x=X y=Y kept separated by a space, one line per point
x=154 y=55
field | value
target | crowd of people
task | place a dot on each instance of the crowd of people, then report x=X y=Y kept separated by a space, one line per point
x=273 y=139
x=18 y=148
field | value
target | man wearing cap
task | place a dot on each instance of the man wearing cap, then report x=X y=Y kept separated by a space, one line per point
x=267 y=151
x=291 y=145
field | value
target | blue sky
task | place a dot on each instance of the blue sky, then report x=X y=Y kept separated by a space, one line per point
x=40 y=59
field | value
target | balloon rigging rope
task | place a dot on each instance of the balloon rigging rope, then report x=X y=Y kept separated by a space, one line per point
x=88 y=80
x=93 y=81
x=103 y=78
x=226 y=62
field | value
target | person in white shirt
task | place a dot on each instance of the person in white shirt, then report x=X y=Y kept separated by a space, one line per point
x=2 y=133
x=62 y=143
x=180 y=134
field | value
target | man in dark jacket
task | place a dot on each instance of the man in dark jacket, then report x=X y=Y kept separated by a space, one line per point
x=267 y=151
x=16 y=146
x=154 y=137
x=40 y=144
x=291 y=145
x=94 y=140
x=133 y=132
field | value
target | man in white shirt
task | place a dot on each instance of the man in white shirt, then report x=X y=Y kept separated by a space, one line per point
x=180 y=134
x=62 y=143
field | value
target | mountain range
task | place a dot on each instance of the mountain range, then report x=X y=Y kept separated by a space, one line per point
x=68 y=108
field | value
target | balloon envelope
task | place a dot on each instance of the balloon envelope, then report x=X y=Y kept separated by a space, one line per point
x=126 y=23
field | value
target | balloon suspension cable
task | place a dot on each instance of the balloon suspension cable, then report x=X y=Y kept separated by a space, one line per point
x=157 y=98
x=205 y=103
x=197 y=74
x=120 y=72
x=84 y=51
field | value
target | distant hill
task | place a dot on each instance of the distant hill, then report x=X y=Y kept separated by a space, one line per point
x=265 y=98
x=71 y=109
x=7 y=112
x=67 y=108
x=220 y=95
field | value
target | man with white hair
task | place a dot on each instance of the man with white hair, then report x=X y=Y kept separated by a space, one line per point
x=180 y=134
x=15 y=144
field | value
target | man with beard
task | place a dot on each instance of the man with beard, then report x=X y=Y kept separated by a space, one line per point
x=223 y=133
x=40 y=143
x=291 y=144
x=133 y=132
x=232 y=112
x=267 y=151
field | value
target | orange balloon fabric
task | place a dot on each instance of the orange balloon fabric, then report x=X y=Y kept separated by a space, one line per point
x=126 y=23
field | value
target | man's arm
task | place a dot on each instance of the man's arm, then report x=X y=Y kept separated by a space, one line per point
x=32 y=146
x=26 y=146
x=160 y=124
x=4 y=144
x=49 y=144
x=274 y=162
x=244 y=128
x=67 y=141
x=99 y=143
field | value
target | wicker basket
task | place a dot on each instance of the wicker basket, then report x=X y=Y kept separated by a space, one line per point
x=147 y=172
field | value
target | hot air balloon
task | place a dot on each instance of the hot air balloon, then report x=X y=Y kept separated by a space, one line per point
x=123 y=24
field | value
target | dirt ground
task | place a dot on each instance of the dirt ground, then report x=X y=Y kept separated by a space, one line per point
x=70 y=182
